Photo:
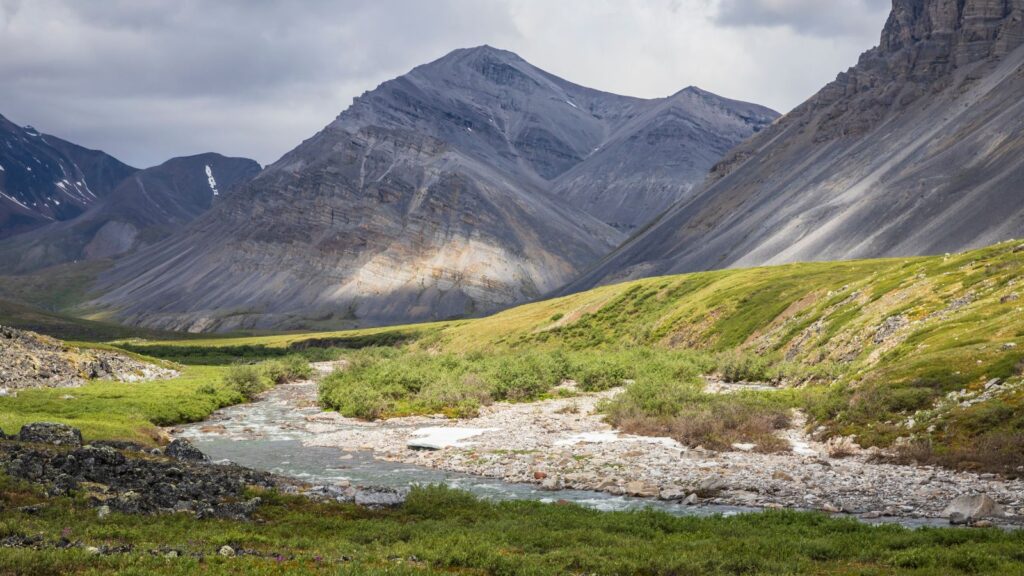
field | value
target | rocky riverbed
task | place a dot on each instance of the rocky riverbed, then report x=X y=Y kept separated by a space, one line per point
x=564 y=444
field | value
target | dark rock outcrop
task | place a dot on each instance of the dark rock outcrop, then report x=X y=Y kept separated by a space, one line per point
x=181 y=449
x=123 y=477
x=50 y=433
x=916 y=150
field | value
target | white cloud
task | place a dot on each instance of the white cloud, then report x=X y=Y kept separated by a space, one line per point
x=150 y=79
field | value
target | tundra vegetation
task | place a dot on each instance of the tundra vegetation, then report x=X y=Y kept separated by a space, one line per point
x=920 y=355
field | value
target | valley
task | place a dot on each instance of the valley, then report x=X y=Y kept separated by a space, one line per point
x=487 y=320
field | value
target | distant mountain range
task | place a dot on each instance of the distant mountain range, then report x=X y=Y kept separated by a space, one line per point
x=919 y=149
x=472 y=183
x=44 y=179
x=142 y=209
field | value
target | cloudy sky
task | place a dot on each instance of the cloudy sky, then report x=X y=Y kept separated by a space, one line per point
x=150 y=79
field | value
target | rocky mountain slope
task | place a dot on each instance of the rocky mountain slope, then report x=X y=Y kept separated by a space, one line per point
x=45 y=179
x=433 y=196
x=145 y=208
x=916 y=150
x=658 y=157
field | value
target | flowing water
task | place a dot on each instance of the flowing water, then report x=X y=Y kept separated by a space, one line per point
x=271 y=435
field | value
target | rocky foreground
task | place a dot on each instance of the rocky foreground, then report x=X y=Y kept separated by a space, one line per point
x=565 y=444
x=132 y=479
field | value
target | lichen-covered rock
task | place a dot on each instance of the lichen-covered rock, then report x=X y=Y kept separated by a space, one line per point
x=51 y=433
x=181 y=449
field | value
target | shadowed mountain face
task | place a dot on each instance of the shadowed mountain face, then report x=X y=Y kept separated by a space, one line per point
x=146 y=207
x=919 y=149
x=434 y=196
x=44 y=179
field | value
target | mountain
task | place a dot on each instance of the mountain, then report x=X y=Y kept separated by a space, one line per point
x=659 y=157
x=44 y=179
x=916 y=150
x=145 y=208
x=432 y=196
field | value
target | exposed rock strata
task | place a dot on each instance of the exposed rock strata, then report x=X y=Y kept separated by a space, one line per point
x=916 y=150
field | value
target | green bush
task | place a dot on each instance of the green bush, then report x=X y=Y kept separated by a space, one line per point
x=248 y=380
x=288 y=369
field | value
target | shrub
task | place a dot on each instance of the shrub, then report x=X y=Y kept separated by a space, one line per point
x=247 y=379
x=288 y=369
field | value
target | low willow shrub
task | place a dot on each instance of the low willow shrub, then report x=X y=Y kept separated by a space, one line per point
x=288 y=369
x=388 y=382
x=681 y=410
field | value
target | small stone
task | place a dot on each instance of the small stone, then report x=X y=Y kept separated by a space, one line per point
x=1009 y=346
x=830 y=508
x=174 y=553
x=102 y=512
x=744 y=447
x=226 y=551
x=691 y=500
x=957 y=519
x=92 y=550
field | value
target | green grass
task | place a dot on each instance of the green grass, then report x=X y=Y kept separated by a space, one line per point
x=126 y=411
x=440 y=531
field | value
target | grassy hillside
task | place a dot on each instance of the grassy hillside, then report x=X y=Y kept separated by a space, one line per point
x=875 y=348
x=927 y=352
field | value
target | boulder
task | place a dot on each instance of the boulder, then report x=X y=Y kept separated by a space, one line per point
x=642 y=489
x=381 y=497
x=551 y=483
x=966 y=509
x=183 y=450
x=51 y=433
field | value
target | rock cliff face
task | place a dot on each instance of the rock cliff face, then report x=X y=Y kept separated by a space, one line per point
x=915 y=150
x=431 y=197
x=144 y=208
x=44 y=179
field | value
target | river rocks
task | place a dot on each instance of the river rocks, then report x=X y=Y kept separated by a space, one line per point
x=711 y=486
x=181 y=449
x=50 y=433
x=551 y=483
x=967 y=509
x=672 y=494
x=547 y=447
x=642 y=489
x=381 y=497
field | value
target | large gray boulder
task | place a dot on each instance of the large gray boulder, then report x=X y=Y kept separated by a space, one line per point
x=967 y=509
x=51 y=433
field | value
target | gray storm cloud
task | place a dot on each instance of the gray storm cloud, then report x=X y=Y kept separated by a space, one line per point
x=150 y=79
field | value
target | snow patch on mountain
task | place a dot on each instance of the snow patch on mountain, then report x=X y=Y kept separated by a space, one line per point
x=211 y=180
